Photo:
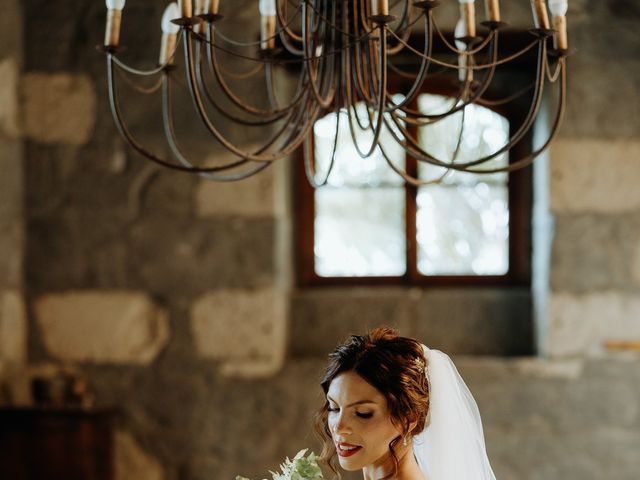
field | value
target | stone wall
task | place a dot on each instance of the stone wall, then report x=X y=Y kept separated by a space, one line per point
x=174 y=295
x=13 y=322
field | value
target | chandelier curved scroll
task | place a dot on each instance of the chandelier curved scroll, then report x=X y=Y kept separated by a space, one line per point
x=344 y=51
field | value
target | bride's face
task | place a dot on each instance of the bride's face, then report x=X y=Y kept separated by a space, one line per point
x=359 y=417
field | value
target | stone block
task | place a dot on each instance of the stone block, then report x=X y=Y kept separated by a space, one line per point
x=11 y=27
x=442 y=318
x=13 y=328
x=9 y=97
x=598 y=175
x=581 y=324
x=58 y=107
x=593 y=251
x=132 y=461
x=322 y=318
x=11 y=211
x=635 y=264
x=602 y=103
x=113 y=327
x=252 y=197
x=243 y=329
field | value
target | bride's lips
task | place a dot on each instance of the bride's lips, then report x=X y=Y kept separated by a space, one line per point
x=347 y=449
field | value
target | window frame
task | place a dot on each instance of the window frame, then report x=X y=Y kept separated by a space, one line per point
x=520 y=193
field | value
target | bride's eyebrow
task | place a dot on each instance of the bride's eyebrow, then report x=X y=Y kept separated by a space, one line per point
x=360 y=402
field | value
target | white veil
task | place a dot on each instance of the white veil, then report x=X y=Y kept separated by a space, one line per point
x=451 y=446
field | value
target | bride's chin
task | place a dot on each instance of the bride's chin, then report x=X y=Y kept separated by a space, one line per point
x=350 y=468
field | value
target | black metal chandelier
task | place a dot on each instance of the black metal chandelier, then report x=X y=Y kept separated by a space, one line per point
x=343 y=49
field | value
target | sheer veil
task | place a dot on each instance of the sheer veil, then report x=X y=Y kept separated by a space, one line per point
x=451 y=446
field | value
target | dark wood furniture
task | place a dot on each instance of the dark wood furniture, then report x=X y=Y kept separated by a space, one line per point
x=56 y=444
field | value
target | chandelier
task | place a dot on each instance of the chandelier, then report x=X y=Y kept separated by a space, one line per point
x=344 y=50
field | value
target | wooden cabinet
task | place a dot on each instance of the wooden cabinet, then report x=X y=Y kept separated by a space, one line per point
x=56 y=444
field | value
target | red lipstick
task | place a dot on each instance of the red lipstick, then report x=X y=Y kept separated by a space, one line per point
x=347 y=449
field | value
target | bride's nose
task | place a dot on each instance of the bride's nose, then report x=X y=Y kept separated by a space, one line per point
x=341 y=426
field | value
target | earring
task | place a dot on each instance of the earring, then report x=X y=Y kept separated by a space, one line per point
x=404 y=441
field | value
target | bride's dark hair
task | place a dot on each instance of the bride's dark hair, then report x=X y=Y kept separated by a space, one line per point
x=395 y=366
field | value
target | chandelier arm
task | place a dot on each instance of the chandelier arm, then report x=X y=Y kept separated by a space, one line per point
x=478 y=93
x=167 y=120
x=271 y=94
x=202 y=85
x=153 y=71
x=411 y=180
x=503 y=101
x=308 y=169
x=457 y=51
x=351 y=102
x=497 y=63
x=366 y=85
x=129 y=138
x=255 y=43
x=286 y=32
x=331 y=24
x=412 y=146
x=552 y=77
x=138 y=88
x=214 y=68
x=351 y=112
x=424 y=68
x=356 y=60
x=199 y=106
x=528 y=159
x=324 y=102
x=244 y=75
x=382 y=93
x=404 y=31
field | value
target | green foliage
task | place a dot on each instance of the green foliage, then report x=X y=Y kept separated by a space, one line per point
x=300 y=468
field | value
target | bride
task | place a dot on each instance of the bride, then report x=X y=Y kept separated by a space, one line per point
x=398 y=410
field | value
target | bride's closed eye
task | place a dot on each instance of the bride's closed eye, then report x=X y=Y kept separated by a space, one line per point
x=359 y=414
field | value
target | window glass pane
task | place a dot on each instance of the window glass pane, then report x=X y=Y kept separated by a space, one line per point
x=360 y=213
x=463 y=222
x=350 y=169
x=360 y=232
x=485 y=132
x=463 y=230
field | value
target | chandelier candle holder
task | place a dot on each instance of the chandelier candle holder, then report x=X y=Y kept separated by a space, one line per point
x=344 y=49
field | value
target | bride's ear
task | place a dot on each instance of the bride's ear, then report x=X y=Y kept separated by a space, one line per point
x=412 y=426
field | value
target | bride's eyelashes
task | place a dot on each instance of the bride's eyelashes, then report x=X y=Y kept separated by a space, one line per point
x=359 y=414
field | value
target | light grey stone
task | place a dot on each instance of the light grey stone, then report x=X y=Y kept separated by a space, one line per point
x=13 y=327
x=103 y=326
x=594 y=251
x=9 y=97
x=595 y=175
x=131 y=461
x=467 y=321
x=582 y=324
x=253 y=197
x=244 y=329
x=58 y=107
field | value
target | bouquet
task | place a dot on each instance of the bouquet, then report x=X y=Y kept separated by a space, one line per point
x=300 y=468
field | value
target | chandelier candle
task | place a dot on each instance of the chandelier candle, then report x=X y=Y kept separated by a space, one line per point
x=200 y=7
x=468 y=12
x=558 y=12
x=214 y=6
x=383 y=7
x=169 y=34
x=267 y=24
x=492 y=8
x=114 y=18
x=540 y=15
x=186 y=8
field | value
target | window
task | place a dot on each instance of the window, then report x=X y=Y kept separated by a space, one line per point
x=366 y=226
